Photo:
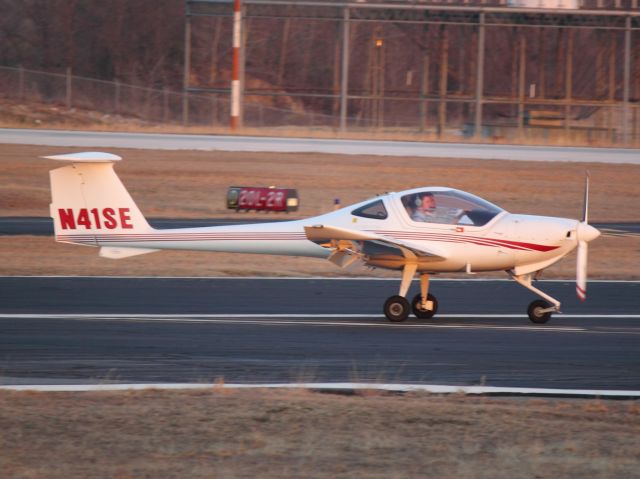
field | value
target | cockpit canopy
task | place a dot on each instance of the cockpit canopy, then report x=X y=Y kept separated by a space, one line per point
x=451 y=207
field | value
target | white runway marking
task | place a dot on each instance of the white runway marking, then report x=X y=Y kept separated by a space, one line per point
x=289 y=315
x=330 y=320
x=427 y=388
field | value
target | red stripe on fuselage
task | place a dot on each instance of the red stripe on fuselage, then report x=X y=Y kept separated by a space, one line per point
x=424 y=236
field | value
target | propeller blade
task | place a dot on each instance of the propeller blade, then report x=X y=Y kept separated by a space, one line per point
x=581 y=271
x=585 y=206
x=585 y=233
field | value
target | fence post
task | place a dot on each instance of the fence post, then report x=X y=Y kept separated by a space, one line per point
x=147 y=104
x=117 y=98
x=69 y=88
x=187 y=69
x=521 y=80
x=568 y=82
x=20 y=82
x=344 y=74
x=214 y=110
x=477 y=133
x=165 y=105
x=626 y=80
x=424 y=91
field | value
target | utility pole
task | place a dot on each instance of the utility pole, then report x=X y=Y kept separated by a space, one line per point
x=612 y=85
x=568 y=81
x=376 y=67
x=444 y=74
x=521 y=82
x=235 y=67
x=424 y=91
x=187 y=70
x=344 y=81
x=479 y=78
x=626 y=80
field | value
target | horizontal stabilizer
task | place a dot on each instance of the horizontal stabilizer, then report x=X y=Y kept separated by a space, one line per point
x=85 y=157
x=115 y=252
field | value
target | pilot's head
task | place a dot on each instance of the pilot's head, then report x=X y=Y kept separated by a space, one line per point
x=426 y=201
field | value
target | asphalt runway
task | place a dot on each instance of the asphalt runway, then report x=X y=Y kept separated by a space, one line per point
x=162 y=141
x=92 y=330
x=42 y=226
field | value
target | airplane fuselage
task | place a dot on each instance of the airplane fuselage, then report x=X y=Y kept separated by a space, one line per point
x=509 y=241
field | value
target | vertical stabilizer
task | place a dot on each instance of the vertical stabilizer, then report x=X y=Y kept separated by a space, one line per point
x=89 y=202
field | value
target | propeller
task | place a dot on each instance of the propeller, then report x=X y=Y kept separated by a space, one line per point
x=585 y=233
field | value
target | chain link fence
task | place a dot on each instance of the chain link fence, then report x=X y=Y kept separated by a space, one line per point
x=212 y=110
x=152 y=105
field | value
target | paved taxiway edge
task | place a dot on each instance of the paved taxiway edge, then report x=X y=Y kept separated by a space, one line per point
x=343 y=388
x=311 y=278
x=258 y=144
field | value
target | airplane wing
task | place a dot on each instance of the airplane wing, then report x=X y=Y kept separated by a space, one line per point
x=350 y=245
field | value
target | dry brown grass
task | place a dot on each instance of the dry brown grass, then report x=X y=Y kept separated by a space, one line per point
x=192 y=184
x=29 y=255
x=276 y=434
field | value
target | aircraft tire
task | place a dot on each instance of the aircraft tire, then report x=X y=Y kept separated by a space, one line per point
x=534 y=311
x=421 y=313
x=396 y=309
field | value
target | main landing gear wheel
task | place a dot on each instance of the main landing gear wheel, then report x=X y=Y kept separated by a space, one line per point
x=396 y=309
x=536 y=313
x=416 y=306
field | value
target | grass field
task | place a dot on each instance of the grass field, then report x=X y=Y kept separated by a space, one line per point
x=286 y=434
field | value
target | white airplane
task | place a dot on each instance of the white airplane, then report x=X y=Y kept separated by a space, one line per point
x=423 y=230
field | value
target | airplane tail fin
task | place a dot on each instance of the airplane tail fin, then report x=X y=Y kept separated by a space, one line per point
x=90 y=205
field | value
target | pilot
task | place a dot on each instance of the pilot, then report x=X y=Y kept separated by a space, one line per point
x=425 y=207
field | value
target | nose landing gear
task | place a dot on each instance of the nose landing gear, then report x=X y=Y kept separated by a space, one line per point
x=539 y=311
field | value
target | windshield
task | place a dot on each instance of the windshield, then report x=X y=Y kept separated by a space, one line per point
x=375 y=210
x=450 y=207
